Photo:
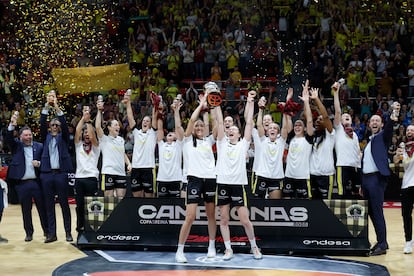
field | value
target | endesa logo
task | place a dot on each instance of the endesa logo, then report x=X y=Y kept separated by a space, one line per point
x=325 y=243
x=118 y=237
x=261 y=216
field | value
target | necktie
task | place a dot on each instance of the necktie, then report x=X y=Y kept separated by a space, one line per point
x=54 y=154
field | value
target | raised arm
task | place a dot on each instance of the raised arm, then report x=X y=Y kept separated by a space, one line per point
x=130 y=112
x=92 y=134
x=220 y=122
x=179 y=130
x=287 y=124
x=154 y=117
x=86 y=116
x=98 y=119
x=306 y=107
x=11 y=142
x=43 y=122
x=196 y=114
x=337 y=105
x=259 y=122
x=314 y=95
x=160 y=130
x=207 y=125
x=249 y=118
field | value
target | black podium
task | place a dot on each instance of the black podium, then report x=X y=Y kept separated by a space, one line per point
x=334 y=227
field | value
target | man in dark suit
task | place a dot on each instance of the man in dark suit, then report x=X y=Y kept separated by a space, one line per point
x=55 y=165
x=375 y=171
x=23 y=171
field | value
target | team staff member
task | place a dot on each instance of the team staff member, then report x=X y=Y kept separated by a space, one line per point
x=55 y=165
x=24 y=172
x=87 y=173
x=375 y=171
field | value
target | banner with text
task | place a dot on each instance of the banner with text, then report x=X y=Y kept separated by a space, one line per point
x=335 y=227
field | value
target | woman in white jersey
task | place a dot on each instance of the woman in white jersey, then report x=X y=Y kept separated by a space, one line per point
x=114 y=157
x=266 y=121
x=170 y=156
x=87 y=173
x=270 y=173
x=296 y=184
x=232 y=177
x=322 y=166
x=201 y=174
x=405 y=155
x=185 y=156
x=348 y=151
x=143 y=155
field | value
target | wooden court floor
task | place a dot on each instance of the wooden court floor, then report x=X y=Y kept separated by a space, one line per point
x=37 y=258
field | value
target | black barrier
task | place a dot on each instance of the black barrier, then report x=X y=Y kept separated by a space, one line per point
x=336 y=227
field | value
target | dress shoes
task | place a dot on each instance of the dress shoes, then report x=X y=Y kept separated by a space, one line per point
x=28 y=238
x=3 y=240
x=50 y=239
x=378 y=251
x=376 y=245
x=69 y=237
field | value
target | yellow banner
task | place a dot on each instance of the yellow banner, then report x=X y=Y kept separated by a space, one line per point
x=91 y=79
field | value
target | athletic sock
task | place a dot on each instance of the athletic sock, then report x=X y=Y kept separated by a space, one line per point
x=253 y=243
x=180 y=248
x=212 y=244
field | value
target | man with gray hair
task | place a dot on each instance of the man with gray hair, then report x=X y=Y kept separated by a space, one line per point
x=55 y=165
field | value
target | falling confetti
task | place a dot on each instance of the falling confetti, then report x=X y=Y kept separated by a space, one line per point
x=58 y=34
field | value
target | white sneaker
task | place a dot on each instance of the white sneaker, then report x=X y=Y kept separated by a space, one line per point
x=256 y=253
x=408 y=247
x=211 y=253
x=180 y=258
x=228 y=254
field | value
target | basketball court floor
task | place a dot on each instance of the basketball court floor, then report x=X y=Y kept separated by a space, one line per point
x=62 y=258
x=162 y=263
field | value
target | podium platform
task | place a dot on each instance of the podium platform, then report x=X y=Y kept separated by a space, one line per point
x=332 y=227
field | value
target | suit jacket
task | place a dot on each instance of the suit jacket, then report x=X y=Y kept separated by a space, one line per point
x=17 y=166
x=62 y=140
x=379 y=148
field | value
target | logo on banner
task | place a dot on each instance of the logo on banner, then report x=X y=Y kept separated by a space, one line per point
x=352 y=213
x=326 y=242
x=98 y=210
x=355 y=211
x=295 y=216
